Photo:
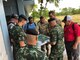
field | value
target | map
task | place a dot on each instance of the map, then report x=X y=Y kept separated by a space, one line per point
x=42 y=39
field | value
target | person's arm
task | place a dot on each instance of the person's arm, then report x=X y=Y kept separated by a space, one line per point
x=76 y=43
x=54 y=36
x=77 y=33
x=22 y=44
x=52 y=43
x=21 y=38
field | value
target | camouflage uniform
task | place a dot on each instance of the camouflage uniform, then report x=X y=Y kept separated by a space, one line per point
x=42 y=28
x=58 y=21
x=11 y=24
x=56 y=35
x=33 y=53
x=19 y=35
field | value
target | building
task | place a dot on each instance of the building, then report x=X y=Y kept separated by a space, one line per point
x=8 y=7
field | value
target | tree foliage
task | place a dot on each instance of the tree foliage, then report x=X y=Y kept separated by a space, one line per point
x=36 y=14
x=69 y=11
x=55 y=2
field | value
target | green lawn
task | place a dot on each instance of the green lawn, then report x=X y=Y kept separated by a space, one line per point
x=76 y=18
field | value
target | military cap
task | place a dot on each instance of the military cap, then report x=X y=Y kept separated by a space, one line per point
x=32 y=32
x=51 y=19
x=22 y=17
x=14 y=16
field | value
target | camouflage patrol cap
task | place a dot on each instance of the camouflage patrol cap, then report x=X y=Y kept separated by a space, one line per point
x=32 y=32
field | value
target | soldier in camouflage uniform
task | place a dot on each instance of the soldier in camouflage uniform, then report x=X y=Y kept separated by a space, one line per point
x=56 y=40
x=53 y=15
x=13 y=21
x=33 y=53
x=42 y=27
x=19 y=39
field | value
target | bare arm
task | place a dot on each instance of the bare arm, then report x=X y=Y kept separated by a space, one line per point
x=22 y=44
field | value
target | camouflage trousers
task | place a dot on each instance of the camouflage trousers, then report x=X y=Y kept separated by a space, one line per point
x=56 y=54
x=55 y=57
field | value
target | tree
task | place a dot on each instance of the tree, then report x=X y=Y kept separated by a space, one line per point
x=45 y=12
x=35 y=13
x=69 y=11
x=73 y=11
x=56 y=2
x=64 y=11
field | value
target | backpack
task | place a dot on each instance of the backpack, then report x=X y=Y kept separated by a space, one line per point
x=73 y=27
x=10 y=27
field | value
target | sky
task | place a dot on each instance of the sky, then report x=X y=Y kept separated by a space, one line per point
x=62 y=4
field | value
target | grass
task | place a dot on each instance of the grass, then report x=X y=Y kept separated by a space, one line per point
x=76 y=18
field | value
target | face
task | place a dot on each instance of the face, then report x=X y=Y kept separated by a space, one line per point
x=24 y=22
x=67 y=22
x=52 y=23
x=31 y=20
x=51 y=15
x=42 y=20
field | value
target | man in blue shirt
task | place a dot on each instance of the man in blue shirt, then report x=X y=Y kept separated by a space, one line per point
x=30 y=25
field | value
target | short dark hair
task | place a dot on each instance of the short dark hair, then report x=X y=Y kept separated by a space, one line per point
x=52 y=12
x=41 y=17
x=51 y=19
x=29 y=18
x=21 y=17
